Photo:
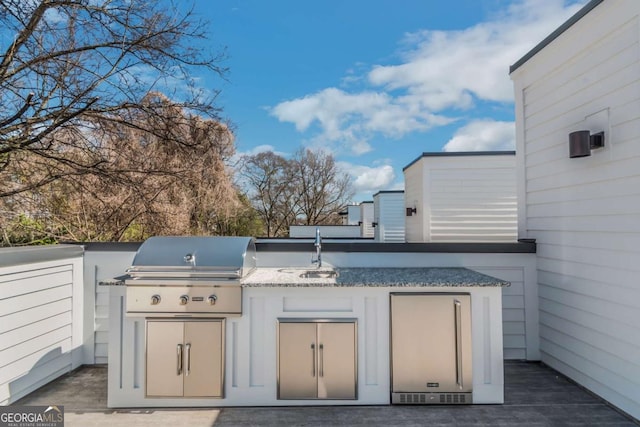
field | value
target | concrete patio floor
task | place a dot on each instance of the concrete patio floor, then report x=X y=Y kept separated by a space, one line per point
x=535 y=395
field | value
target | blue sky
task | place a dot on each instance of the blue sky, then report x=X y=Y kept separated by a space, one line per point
x=375 y=82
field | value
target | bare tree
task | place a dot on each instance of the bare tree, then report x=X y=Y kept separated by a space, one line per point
x=267 y=177
x=68 y=63
x=322 y=188
x=307 y=189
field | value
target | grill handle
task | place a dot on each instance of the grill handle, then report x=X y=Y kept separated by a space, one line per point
x=187 y=349
x=179 y=359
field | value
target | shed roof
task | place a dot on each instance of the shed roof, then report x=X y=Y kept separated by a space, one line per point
x=460 y=154
x=551 y=37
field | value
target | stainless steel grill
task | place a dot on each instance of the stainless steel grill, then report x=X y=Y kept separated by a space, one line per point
x=189 y=276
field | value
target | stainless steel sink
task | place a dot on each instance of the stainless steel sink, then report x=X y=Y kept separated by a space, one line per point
x=316 y=274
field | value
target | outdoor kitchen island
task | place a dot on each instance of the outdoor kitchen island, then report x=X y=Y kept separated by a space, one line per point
x=348 y=307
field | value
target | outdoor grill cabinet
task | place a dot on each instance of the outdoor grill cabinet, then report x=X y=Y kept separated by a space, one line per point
x=317 y=359
x=185 y=358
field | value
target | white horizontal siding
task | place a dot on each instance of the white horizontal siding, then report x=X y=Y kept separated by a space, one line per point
x=473 y=204
x=514 y=338
x=366 y=218
x=585 y=212
x=415 y=230
x=40 y=324
x=464 y=199
x=100 y=267
x=389 y=214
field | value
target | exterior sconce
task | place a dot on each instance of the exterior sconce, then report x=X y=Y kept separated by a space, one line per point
x=582 y=142
x=411 y=211
x=374 y=224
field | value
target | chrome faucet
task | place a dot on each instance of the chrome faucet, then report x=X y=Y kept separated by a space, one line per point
x=318 y=244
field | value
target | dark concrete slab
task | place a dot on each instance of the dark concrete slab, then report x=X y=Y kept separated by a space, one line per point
x=535 y=395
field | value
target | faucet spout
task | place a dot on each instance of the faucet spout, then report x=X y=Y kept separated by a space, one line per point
x=318 y=244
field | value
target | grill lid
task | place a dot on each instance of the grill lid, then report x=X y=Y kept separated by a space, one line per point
x=176 y=257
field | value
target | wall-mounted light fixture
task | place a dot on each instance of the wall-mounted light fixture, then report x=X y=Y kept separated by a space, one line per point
x=582 y=142
x=374 y=224
x=411 y=211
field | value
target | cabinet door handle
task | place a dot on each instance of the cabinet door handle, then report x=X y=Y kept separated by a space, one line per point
x=179 y=359
x=321 y=360
x=187 y=349
x=458 y=323
x=313 y=360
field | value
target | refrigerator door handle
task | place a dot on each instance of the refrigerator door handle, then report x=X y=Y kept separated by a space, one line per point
x=458 y=324
x=313 y=360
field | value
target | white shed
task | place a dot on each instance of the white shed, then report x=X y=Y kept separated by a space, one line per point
x=388 y=214
x=366 y=219
x=326 y=231
x=461 y=197
x=584 y=212
x=351 y=215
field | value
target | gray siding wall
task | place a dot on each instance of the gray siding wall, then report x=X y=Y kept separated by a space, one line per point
x=585 y=212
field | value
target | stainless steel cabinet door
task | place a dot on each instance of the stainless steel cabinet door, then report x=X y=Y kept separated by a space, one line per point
x=185 y=358
x=297 y=361
x=336 y=361
x=164 y=358
x=203 y=359
x=431 y=343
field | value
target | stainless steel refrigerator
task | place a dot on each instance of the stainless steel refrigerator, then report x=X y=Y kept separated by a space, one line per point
x=431 y=348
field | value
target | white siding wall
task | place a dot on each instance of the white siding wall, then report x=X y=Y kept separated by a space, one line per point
x=309 y=231
x=389 y=215
x=466 y=198
x=102 y=266
x=585 y=212
x=414 y=225
x=366 y=217
x=41 y=321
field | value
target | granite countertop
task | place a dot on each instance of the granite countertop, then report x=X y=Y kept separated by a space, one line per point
x=361 y=277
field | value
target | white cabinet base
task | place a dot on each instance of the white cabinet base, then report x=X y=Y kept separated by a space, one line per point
x=250 y=349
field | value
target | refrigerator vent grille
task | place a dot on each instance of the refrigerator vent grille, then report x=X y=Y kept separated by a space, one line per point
x=434 y=398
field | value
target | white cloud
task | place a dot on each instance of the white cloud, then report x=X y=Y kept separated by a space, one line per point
x=483 y=135
x=440 y=72
x=444 y=69
x=351 y=118
x=369 y=179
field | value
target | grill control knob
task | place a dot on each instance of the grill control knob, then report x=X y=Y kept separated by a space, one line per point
x=212 y=299
x=155 y=300
x=184 y=300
